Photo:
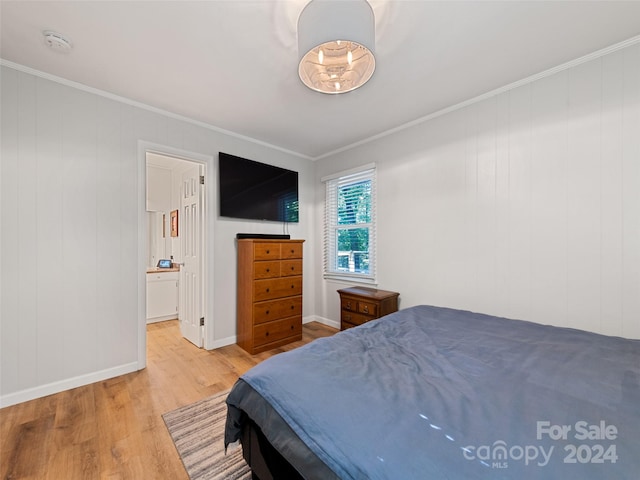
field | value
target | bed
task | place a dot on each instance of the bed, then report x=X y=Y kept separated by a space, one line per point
x=438 y=393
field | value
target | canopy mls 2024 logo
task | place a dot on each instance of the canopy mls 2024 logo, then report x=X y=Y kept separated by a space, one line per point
x=577 y=446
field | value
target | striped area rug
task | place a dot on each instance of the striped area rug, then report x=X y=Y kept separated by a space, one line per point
x=197 y=431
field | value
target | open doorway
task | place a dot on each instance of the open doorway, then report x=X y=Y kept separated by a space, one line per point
x=176 y=242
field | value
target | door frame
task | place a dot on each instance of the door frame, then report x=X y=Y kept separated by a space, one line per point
x=145 y=147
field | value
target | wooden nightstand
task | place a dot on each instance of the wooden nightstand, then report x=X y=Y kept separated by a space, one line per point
x=359 y=305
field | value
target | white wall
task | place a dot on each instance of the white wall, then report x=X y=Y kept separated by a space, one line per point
x=70 y=267
x=524 y=205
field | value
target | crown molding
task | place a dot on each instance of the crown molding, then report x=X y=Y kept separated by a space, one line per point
x=533 y=78
x=511 y=86
x=144 y=106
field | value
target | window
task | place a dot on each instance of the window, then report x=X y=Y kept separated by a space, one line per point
x=350 y=224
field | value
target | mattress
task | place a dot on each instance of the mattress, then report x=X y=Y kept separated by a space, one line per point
x=431 y=392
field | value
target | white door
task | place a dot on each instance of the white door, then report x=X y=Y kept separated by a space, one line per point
x=190 y=229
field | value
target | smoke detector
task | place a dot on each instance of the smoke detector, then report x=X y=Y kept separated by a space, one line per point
x=57 y=41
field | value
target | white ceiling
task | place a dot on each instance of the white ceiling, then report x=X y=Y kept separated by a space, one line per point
x=233 y=64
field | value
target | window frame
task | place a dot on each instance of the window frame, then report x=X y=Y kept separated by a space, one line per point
x=331 y=225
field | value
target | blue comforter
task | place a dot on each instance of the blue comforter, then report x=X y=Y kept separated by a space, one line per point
x=438 y=393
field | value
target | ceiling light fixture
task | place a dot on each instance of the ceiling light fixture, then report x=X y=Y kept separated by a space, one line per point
x=336 y=41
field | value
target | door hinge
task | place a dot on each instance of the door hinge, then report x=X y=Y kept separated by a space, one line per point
x=201 y=179
x=202 y=322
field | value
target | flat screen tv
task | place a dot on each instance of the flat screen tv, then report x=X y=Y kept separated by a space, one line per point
x=256 y=191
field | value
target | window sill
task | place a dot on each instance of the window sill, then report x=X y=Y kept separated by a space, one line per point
x=336 y=277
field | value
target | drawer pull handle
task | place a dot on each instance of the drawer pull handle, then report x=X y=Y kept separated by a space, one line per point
x=292 y=307
x=292 y=250
x=266 y=334
x=366 y=309
x=267 y=290
x=291 y=327
x=292 y=286
x=349 y=305
x=268 y=270
x=292 y=269
x=267 y=312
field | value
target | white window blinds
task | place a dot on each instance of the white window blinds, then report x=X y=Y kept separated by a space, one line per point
x=350 y=234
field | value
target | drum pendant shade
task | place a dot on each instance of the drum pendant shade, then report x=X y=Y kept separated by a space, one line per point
x=336 y=42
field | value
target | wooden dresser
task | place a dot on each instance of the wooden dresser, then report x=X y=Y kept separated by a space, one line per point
x=359 y=305
x=269 y=293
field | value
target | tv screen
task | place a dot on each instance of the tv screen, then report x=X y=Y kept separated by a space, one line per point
x=256 y=191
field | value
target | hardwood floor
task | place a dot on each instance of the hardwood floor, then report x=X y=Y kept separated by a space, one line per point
x=114 y=429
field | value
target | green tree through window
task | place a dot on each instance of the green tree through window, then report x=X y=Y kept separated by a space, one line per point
x=354 y=209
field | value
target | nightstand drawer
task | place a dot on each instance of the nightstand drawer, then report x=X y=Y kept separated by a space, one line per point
x=354 y=318
x=368 y=308
x=349 y=304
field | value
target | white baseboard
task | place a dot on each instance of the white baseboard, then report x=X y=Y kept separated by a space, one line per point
x=161 y=319
x=67 y=384
x=223 y=342
x=319 y=319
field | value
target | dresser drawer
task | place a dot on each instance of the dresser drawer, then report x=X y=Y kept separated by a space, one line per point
x=266 y=251
x=290 y=267
x=293 y=250
x=276 y=309
x=278 y=330
x=266 y=269
x=276 y=288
